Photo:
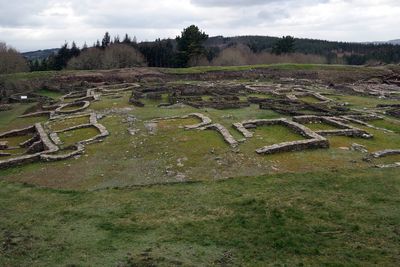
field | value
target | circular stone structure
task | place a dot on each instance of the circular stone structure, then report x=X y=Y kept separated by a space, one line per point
x=81 y=105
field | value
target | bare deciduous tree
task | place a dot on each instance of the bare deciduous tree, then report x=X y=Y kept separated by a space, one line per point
x=122 y=56
x=242 y=55
x=89 y=59
x=113 y=57
x=11 y=61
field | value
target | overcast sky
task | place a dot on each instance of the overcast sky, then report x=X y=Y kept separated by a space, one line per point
x=39 y=24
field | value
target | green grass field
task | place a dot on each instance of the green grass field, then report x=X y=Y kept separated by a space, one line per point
x=331 y=218
x=284 y=66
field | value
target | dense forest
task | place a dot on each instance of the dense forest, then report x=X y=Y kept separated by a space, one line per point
x=193 y=47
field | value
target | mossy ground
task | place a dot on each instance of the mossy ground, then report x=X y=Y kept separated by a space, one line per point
x=166 y=199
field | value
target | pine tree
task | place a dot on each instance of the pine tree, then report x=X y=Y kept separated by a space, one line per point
x=190 y=44
x=85 y=47
x=74 y=51
x=106 y=40
x=284 y=45
x=127 y=39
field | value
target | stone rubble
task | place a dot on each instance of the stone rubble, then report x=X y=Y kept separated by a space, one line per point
x=359 y=148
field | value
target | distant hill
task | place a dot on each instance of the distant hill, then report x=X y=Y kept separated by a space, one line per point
x=392 y=42
x=40 y=54
x=395 y=42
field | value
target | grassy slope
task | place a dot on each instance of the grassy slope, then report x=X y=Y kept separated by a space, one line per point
x=202 y=69
x=327 y=218
x=286 y=66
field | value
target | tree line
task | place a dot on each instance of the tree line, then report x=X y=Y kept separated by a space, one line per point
x=112 y=52
x=194 y=47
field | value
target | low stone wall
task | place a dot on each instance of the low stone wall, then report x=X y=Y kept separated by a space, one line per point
x=67 y=117
x=41 y=147
x=246 y=133
x=117 y=87
x=37 y=114
x=30 y=141
x=294 y=146
x=219 y=104
x=48 y=145
x=303 y=93
x=343 y=129
x=299 y=108
x=204 y=120
x=38 y=145
x=88 y=95
x=79 y=149
x=223 y=131
x=71 y=95
x=75 y=127
x=384 y=153
x=313 y=141
x=355 y=119
x=81 y=105
x=92 y=123
x=18 y=132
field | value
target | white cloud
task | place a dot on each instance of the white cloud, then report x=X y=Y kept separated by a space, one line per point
x=35 y=24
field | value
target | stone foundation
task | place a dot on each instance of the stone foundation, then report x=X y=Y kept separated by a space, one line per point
x=314 y=140
x=343 y=129
x=81 y=105
x=79 y=149
x=384 y=153
x=38 y=145
x=204 y=120
x=41 y=147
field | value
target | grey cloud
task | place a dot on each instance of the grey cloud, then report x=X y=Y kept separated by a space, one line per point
x=222 y=3
x=247 y=3
x=141 y=20
x=20 y=12
x=30 y=24
x=272 y=15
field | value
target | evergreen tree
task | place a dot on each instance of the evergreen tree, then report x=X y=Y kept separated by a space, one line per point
x=116 y=40
x=74 y=51
x=190 y=44
x=85 y=47
x=127 y=39
x=106 y=40
x=284 y=45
